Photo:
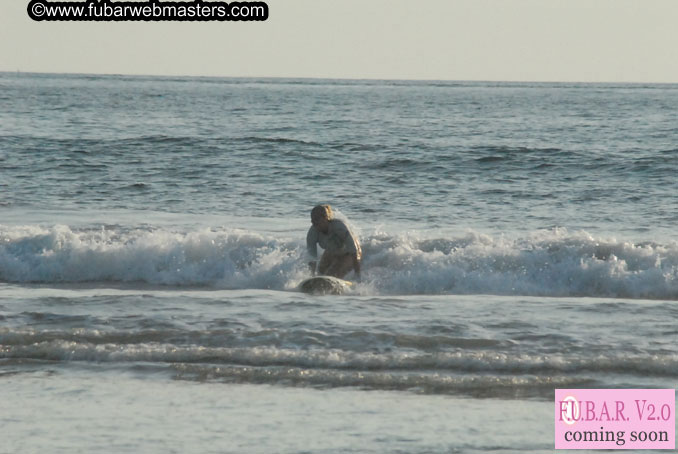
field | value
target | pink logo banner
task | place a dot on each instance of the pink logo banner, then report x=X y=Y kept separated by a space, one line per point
x=615 y=419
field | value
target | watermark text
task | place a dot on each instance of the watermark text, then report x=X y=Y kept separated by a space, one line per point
x=152 y=10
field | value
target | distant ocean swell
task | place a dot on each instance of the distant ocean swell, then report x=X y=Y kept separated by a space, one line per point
x=546 y=263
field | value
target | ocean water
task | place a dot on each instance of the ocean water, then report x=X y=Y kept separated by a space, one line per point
x=517 y=238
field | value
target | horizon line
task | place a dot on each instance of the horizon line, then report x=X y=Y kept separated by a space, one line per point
x=350 y=79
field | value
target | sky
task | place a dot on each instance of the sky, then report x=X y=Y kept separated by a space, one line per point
x=502 y=40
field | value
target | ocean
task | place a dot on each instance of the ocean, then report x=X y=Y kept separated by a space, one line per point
x=517 y=238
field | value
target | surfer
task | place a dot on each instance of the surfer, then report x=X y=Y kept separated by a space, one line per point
x=342 y=250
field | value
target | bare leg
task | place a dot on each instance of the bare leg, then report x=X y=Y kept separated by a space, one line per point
x=337 y=265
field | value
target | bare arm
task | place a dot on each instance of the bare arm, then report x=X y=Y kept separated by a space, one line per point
x=312 y=248
x=356 y=267
x=312 y=242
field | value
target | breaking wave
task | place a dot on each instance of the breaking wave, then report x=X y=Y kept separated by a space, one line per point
x=546 y=263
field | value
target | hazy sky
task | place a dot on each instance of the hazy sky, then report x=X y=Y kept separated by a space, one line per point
x=549 y=40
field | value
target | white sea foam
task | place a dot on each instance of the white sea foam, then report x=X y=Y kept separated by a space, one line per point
x=550 y=263
x=224 y=258
x=546 y=263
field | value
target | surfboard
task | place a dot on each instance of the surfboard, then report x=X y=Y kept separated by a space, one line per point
x=325 y=285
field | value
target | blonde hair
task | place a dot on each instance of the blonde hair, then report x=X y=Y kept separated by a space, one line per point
x=322 y=211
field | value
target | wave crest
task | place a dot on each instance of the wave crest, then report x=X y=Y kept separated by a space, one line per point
x=546 y=263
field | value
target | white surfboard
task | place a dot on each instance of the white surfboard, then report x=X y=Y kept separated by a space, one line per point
x=325 y=285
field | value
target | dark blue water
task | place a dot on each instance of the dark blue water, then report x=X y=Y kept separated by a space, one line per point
x=491 y=157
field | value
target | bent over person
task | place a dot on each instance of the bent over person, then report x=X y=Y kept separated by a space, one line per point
x=342 y=250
